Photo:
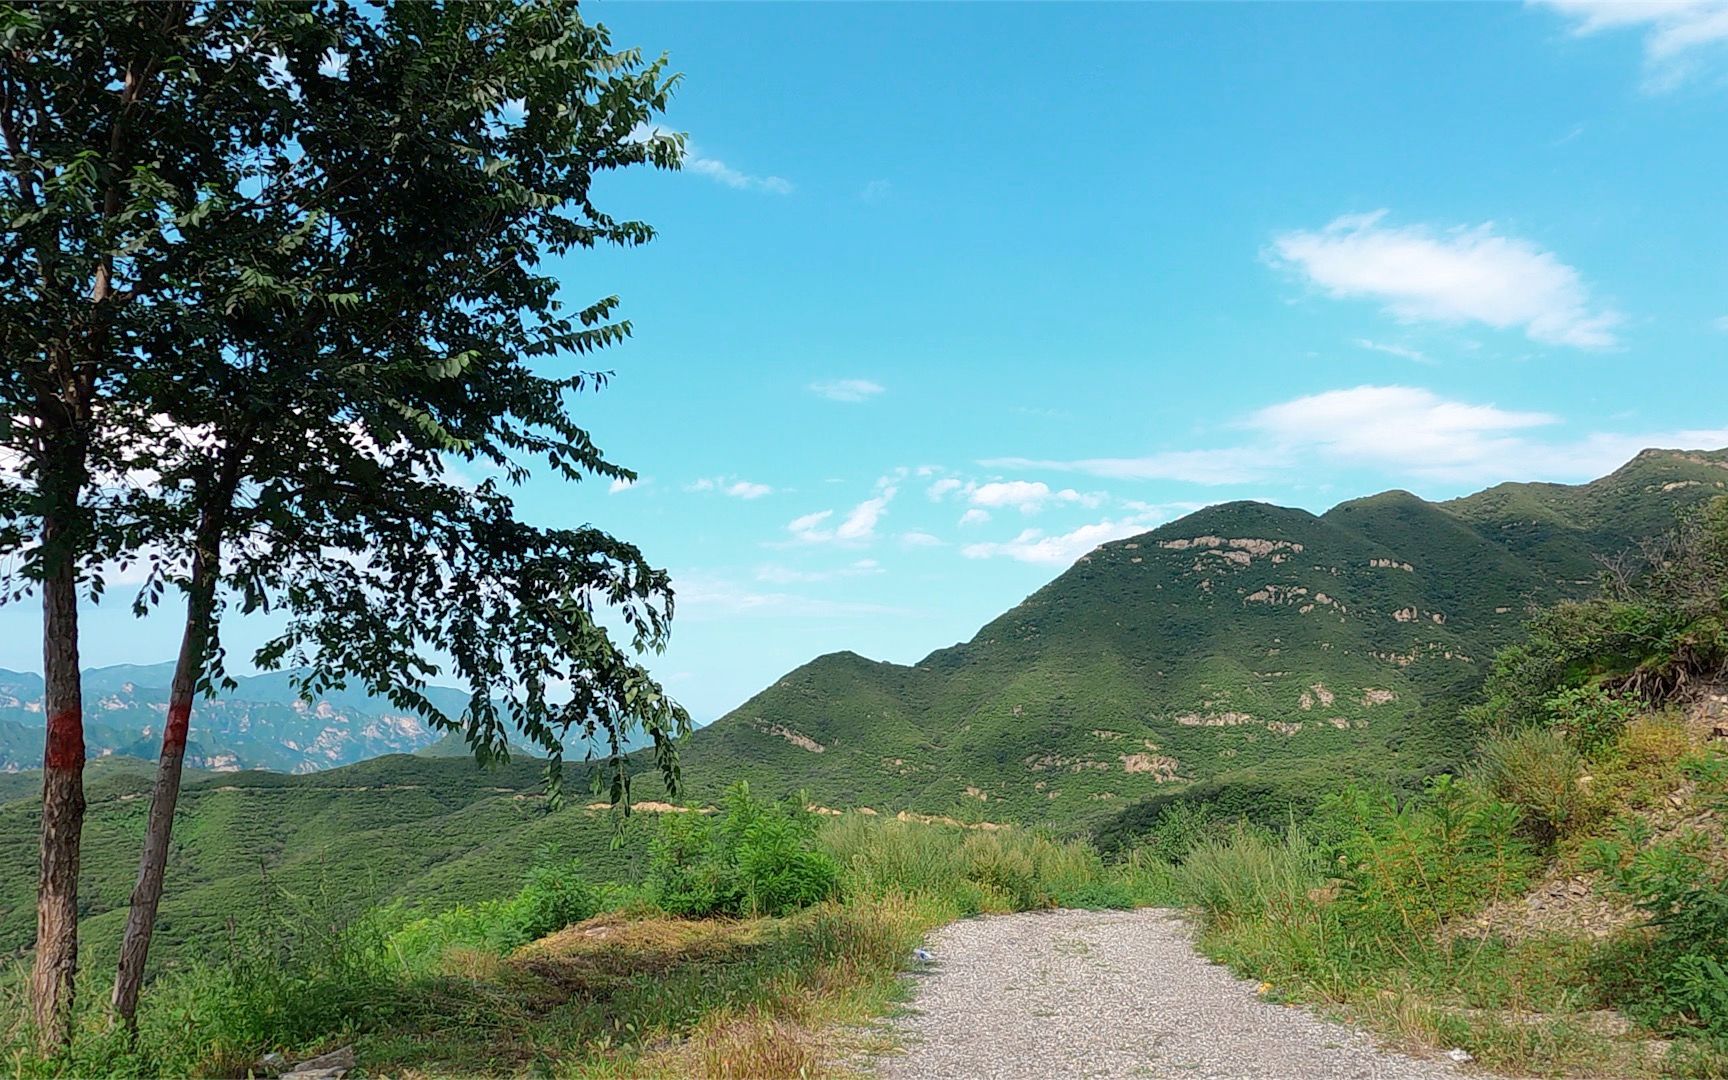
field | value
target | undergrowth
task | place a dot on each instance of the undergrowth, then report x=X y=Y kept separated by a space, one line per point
x=1584 y=766
x=755 y=932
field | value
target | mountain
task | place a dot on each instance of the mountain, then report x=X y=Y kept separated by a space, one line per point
x=1244 y=643
x=261 y=724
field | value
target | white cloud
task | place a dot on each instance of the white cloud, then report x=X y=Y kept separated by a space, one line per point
x=726 y=485
x=846 y=389
x=1233 y=465
x=618 y=485
x=719 y=171
x=775 y=574
x=1467 y=274
x=857 y=527
x=1028 y=496
x=974 y=516
x=706 y=598
x=1398 y=427
x=1676 y=32
x=805 y=528
x=943 y=487
x=1400 y=351
x=1412 y=432
x=713 y=168
x=876 y=191
x=1405 y=433
x=1033 y=546
x=1721 y=324
x=917 y=538
x=860 y=524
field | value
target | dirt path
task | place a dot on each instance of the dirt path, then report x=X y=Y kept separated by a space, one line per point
x=1112 y=994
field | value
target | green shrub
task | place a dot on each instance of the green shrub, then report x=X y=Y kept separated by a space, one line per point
x=1178 y=830
x=1681 y=883
x=1409 y=867
x=1591 y=716
x=552 y=898
x=986 y=870
x=754 y=858
x=1249 y=874
x=1537 y=770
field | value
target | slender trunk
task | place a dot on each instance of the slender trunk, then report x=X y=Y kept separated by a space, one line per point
x=51 y=983
x=194 y=650
x=152 y=865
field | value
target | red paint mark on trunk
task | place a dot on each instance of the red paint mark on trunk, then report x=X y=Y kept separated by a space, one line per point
x=65 y=740
x=179 y=720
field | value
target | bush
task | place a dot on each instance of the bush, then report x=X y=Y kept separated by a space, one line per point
x=985 y=870
x=552 y=898
x=1537 y=771
x=755 y=858
x=1407 y=868
x=1249 y=874
x=1681 y=883
x=1591 y=716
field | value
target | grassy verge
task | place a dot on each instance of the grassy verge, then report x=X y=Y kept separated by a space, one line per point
x=763 y=944
x=1409 y=916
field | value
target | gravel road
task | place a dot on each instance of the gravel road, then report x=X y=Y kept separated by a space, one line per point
x=1112 y=994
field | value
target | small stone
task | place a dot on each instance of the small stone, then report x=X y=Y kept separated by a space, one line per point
x=271 y=1064
x=1462 y=1057
x=331 y=1066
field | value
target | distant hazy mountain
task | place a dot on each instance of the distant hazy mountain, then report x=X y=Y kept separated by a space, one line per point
x=262 y=724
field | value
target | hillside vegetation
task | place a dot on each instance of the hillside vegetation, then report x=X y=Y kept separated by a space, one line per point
x=1562 y=906
x=1245 y=647
x=753 y=937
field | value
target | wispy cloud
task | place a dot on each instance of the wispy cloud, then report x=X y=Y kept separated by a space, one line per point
x=1679 y=35
x=620 y=485
x=1466 y=274
x=876 y=191
x=1406 y=433
x=857 y=527
x=1402 y=427
x=1400 y=351
x=775 y=574
x=726 y=485
x=846 y=389
x=702 y=164
x=1034 y=546
x=720 y=172
x=704 y=598
x=1230 y=465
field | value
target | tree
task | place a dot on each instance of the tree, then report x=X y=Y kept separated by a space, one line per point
x=350 y=276
x=79 y=266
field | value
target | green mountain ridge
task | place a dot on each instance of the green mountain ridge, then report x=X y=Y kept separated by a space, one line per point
x=1244 y=640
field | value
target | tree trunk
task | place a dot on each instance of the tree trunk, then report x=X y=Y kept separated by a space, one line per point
x=51 y=983
x=158 y=830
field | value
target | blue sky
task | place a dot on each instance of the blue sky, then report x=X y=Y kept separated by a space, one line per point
x=946 y=295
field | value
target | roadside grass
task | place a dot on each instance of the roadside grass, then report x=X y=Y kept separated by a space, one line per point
x=1370 y=907
x=572 y=978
